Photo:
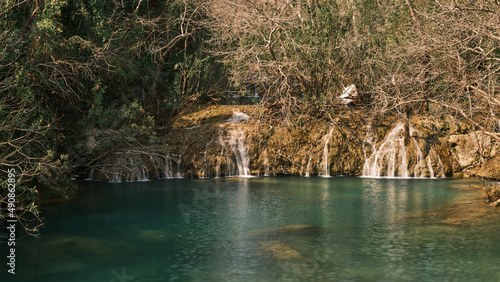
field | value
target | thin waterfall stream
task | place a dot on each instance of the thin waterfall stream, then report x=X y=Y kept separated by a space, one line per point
x=326 y=168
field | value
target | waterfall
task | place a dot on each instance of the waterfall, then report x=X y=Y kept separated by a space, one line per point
x=419 y=168
x=179 y=160
x=308 y=166
x=441 y=166
x=429 y=165
x=234 y=148
x=390 y=158
x=425 y=162
x=144 y=176
x=266 y=163
x=240 y=149
x=226 y=157
x=220 y=157
x=168 y=172
x=91 y=175
x=168 y=169
x=233 y=160
x=205 y=171
x=128 y=167
x=326 y=168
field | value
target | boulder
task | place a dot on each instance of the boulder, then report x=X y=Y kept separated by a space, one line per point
x=350 y=95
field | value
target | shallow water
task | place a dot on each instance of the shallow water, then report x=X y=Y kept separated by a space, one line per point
x=346 y=229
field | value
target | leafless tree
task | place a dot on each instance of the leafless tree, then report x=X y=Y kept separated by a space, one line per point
x=285 y=48
x=446 y=60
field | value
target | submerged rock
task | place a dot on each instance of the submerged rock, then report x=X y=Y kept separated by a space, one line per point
x=76 y=245
x=459 y=214
x=289 y=230
x=279 y=250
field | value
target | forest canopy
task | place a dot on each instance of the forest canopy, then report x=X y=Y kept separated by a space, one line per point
x=82 y=78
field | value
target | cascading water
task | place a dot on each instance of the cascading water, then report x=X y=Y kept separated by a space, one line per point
x=424 y=166
x=128 y=167
x=240 y=149
x=326 y=167
x=220 y=157
x=238 y=117
x=179 y=161
x=440 y=163
x=205 y=171
x=421 y=161
x=266 y=163
x=168 y=173
x=308 y=166
x=234 y=148
x=431 y=170
x=91 y=174
x=233 y=159
x=391 y=158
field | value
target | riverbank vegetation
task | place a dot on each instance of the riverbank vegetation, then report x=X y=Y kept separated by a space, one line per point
x=82 y=79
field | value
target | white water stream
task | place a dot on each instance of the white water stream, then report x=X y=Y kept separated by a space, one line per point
x=391 y=158
x=238 y=163
x=325 y=165
x=237 y=142
x=128 y=167
x=308 y=166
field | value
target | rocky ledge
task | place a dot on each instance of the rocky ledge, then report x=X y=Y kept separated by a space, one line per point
x=220 y=141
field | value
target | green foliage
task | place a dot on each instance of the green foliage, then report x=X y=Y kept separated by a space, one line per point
x=115 y=129
x=80 y=78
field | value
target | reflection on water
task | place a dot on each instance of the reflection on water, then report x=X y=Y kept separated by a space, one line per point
x=259 y=229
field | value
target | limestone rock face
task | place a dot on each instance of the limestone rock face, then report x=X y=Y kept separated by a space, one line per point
x=222 y=141
x=470 y=149
x=490 y=169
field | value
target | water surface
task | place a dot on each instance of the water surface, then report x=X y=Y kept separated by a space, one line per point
x=354 y=229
